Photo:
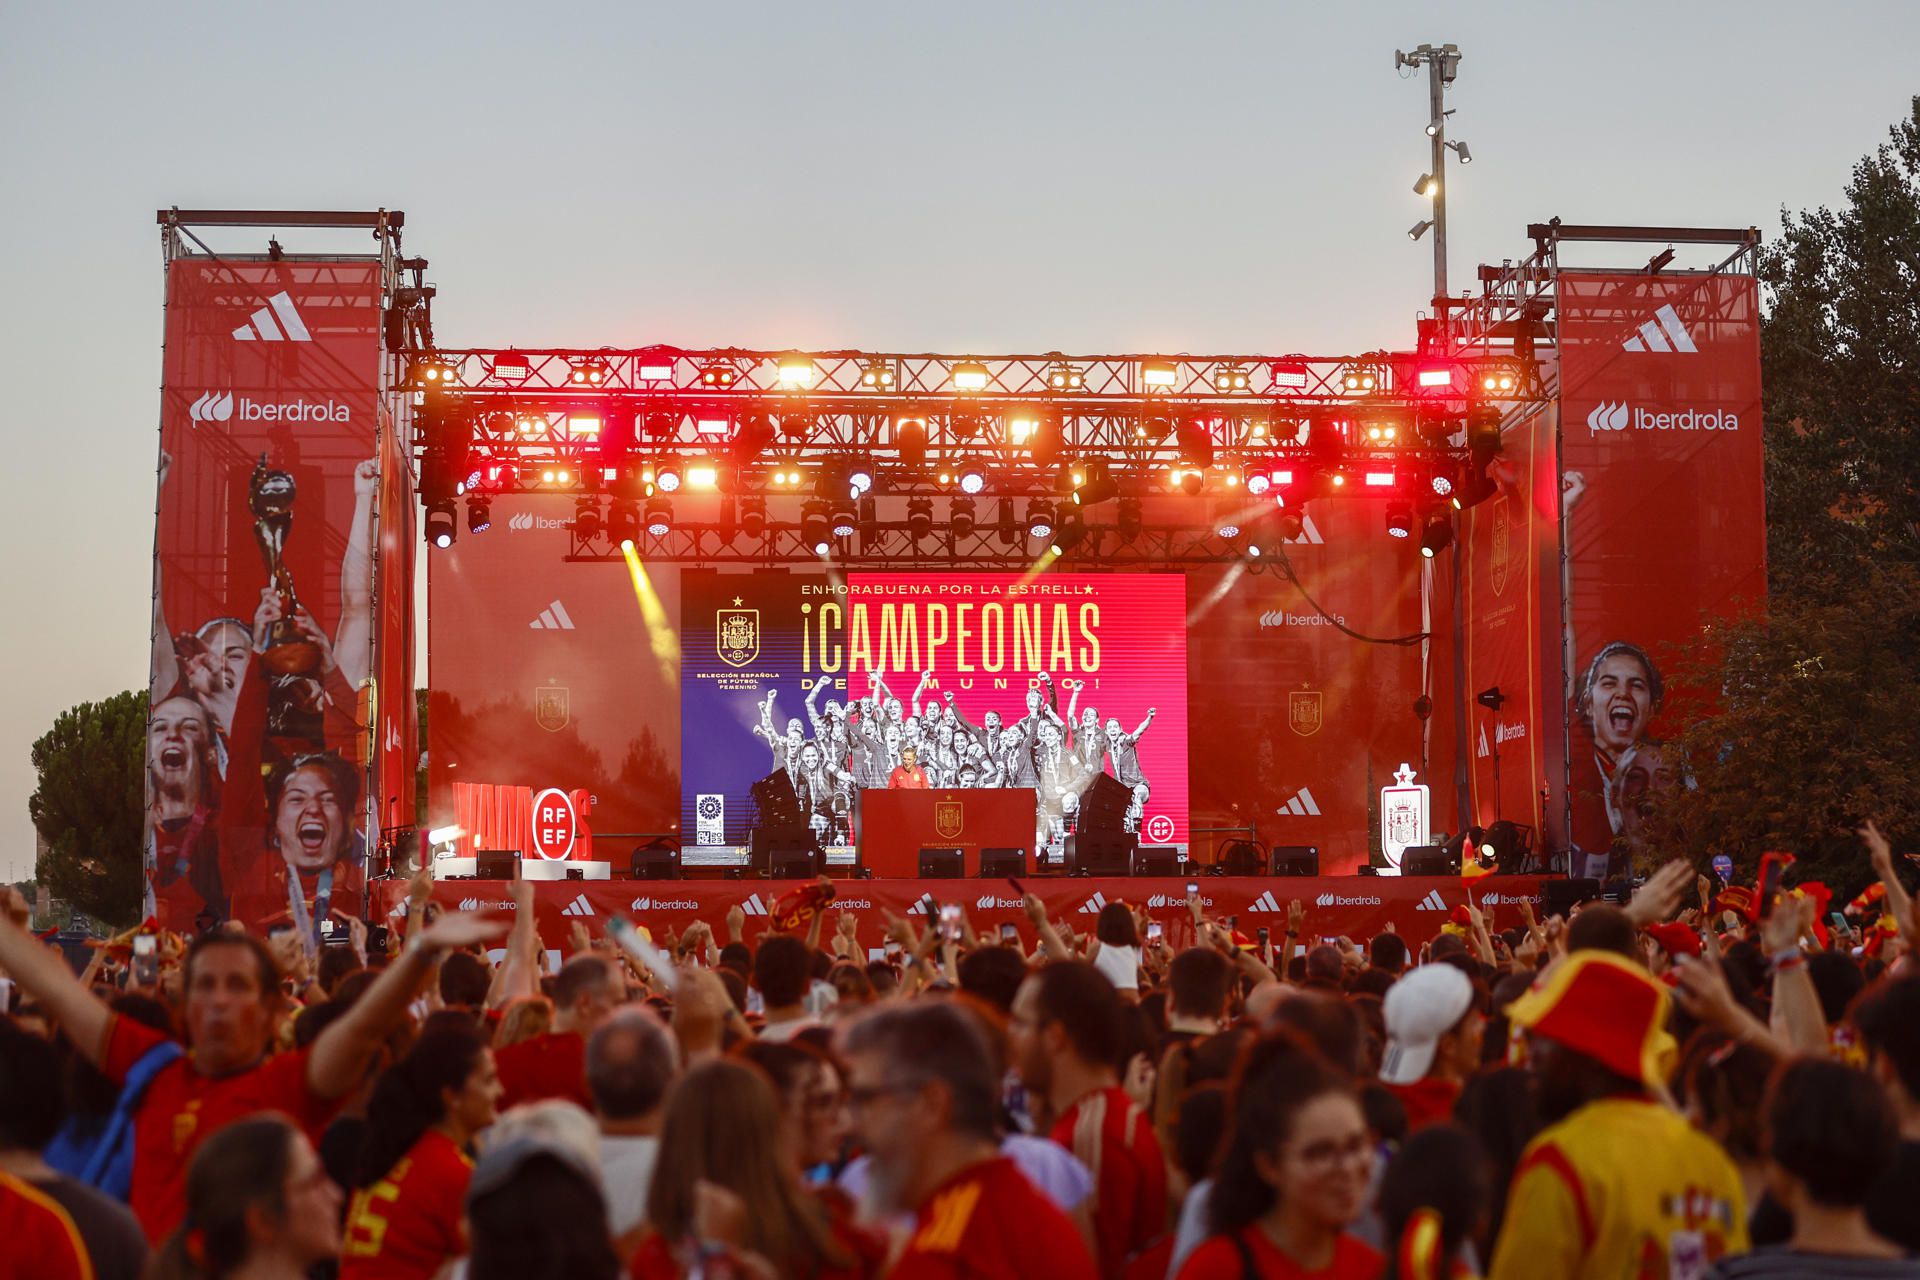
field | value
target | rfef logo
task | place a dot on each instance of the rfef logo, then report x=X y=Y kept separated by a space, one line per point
x=554 y=826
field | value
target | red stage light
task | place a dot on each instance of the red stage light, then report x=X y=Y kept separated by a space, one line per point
x=1291 y=375
x=1379 y=479
x=1439 y=376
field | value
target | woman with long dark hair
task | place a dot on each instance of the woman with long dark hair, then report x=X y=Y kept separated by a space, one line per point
x=725 y=1173
x=258 y=1203
x=413 y=1171
x=1433 y=1197
x=1293 y=1174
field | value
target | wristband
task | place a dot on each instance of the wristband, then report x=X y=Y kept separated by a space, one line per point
x=1785 y=960
x=1293 y=933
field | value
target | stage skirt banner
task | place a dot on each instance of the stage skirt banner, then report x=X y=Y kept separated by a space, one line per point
x=264 y=677
x=1353 y=907
x=992 y=679
x=1664 y=511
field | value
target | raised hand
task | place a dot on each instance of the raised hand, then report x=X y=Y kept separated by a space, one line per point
x=457 y=929
x=1659 y=897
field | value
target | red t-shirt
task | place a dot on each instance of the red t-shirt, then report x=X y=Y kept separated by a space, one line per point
x=914 y=779
x=548 y=1066
x=407 y=1225
x=1428 y=1101
x=182 y=1107
x=1218 y=1259
x=988 y=1222
x=1114 y=1139
x=40 y=1239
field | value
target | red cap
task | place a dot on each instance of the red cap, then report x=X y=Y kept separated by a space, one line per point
x=1605 y=1007
x=1675 y=939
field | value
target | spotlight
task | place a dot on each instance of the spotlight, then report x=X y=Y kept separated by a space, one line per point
x=1499 y=380
x=1003 y=521
x=972 y=480
x=1187 y=479
x=1400 y=520
x=584 y=425
x=1153 y=430
x=919 y=517
x=1428 y=185
x=1128 y=522
x=1442 y=485
x=1044 y=439
x=1071 y=533
x=844 y=520
x=1257 y=480
x=1039 y=518
x=877 y=376
x=1158 y=373
x=1229 y=378
x=961 y=517
x=702 y=475
x=1433 y=130
x=1460 y=149
x=1359 y=379
x=860 y=478
x=623 y=523
x=1419 y=228
x=1291 y=375
x=910 y=438
x=589 y=371
x=1226 y=520
x=659 y=518
x=440 y=530
x=530 y=424
x=1288 y=523
x=813 y=521
x=795 y=372
x=1436 y=536
x=753 y=517
x=432 y=371
x=713 y=422
x=1097 y=484
x=1195 y=442
x=755 y=434
x=719 y=375
x=586 y=519
x=666 y=477
x=479 y=515
x=969 y=375
x=1065 y=377
x=965 y=426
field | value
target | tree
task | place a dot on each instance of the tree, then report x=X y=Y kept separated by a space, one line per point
x=1840 y=362
x=89 y=804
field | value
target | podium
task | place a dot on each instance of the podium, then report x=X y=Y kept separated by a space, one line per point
x=896 y=824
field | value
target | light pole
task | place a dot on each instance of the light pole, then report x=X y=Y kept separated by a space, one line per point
x=1443 y=64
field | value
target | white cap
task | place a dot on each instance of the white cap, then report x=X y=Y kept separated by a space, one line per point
x=1420 y=1008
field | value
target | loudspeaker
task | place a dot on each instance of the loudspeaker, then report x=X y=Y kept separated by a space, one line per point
x=793 y=861
x=1296 y=860
x=576 y=873
x=655 y=862
x=942 y=864
x=1156 y=860
x=1429 y=860
x=1241 y=858
x=1001 y=863
x=779 y=806
x=1101 y=853
x=1103 y=805
x=496 y=864
x=1560 y=897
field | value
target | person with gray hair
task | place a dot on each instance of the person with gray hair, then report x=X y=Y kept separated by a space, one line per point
x=925 y=1100
x=631 y=1063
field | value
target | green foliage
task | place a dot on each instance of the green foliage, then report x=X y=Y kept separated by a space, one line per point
x=89 y=804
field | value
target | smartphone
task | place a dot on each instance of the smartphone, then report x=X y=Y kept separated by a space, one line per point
x=1008 y=933
x=146 y=960
x=1193 y=887
x=1773 y=867
x=1839 y=922
x=893 y=951
x=1154 y=931
x=1261 y=933
x=1233 y=922
x=950 y=922
x=379 y=938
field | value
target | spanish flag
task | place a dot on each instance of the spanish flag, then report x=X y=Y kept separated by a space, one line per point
x=1473 y=869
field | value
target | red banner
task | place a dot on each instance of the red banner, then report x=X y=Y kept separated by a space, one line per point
x=1352 y=907
x=1665 y=513
x=264 y=665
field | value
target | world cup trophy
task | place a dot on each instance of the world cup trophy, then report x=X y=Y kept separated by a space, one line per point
x=270 y=495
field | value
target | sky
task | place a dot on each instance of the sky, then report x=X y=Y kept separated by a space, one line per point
x=986 y=177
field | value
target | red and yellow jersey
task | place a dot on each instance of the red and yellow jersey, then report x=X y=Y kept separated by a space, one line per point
x=547 y=1066
x=40 y=1239
x=407 y=1225
x=1622 y=1189
x=988 y=1222
x=1220 y=1258
x=1114 y=1139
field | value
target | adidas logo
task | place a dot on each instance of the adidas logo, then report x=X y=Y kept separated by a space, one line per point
x=520 y=521
x=1341 y=900
x=1301 y=806
x=1484 y=751
x=1432 y=902
x=552 y=618
x=1309 y=535
x=399 y=911
x=260 y=325
x=578 y=907
x=211 y=407
x=1607 y=416
x=1268 y=903
x=1093 y=906
x=1662 y=333
x=664 y=904
x=753 y=906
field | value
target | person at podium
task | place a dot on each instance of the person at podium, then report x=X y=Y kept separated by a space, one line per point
x=909 y=775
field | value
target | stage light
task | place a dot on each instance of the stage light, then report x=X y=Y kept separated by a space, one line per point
x=1071 y=533
x=1065 y=377
x=432 y=371
x=1379 y=479
x=755 y=434
x=1442 y=485
x=1282 y=478
x=1195 y=442
x=1291 y=375
x=1258 y=429
x=660 y=422
x=439 y=525
x=1020 y=425
x=530 y=424
x=1097 y=484
x=1419 y=228
x=1191 y=480
x=795 y=372
x=910 y=438
x=961 y=517
x=1257 y=480
x=753 y=517
x=1044 y=439
x=1460 y=149
x=479 y=515
x=1288 y=522
x=1158 y=373
x=1433 y=130
x=586 y=519
x=844 y=519
x=1358 y=380
x=1128 y=522
x=585 y=425
x=877 y=376
x=1336 y=480
x=1382 y=432
x=719 y=375
x=666 y=477
x=659 y=518
x=1229 y=378
x=813 y=521
x=972 y=480
x=589 y=371
x=919 y=517
x=1154 y=429
x=1436 y=536
x=655 y=366
x=559 y=477
x=1435 y=376
x=1428 y=185
x=711 y=423
x=1039 y=518
x=1400 y=520
x=511 y=367
x=1499 y=380
x=702 y=475
x=623 y=522
x=1226 y=520
x=859 y=478
x=965 y=426
x=969 y=375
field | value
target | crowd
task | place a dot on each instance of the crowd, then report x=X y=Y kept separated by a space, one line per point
x=1705 y=1082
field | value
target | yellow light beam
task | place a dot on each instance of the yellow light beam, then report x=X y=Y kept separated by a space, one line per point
x=661 y=637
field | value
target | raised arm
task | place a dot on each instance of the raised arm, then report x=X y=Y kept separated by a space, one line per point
x=1899 y=905
x=925 y=681
x=1073 y=702
x=43 y=974
x=813 y=712
x=1145 y=724
x=518 y=974
x=353 y=637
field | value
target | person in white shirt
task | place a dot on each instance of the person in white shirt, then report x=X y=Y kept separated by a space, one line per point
x=631 y=1062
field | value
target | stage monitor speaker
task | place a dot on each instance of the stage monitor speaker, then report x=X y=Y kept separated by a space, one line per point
x=1241 y=858
x=998 y=864
x=655 y=862
x=779 y=806
x=1429 y=860
x=944 y=863
x=1103 y=805
x=496 y=864
x=1560 y=897
x=1296 y=860
x=794 y=861
x=1101 y=853
x=1157 y=860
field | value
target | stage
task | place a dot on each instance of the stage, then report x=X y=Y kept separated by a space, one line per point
x=1356 y=907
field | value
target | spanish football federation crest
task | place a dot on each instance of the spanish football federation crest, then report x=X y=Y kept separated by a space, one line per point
x=949 y=818
x=551 y=708
x=1499 y=552
x=1304 y=712
x=736 y=634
